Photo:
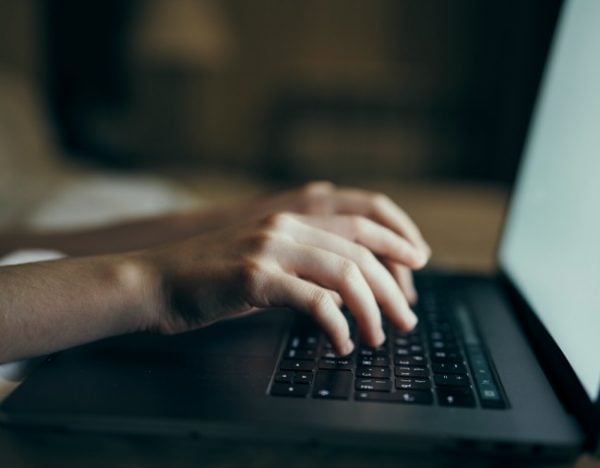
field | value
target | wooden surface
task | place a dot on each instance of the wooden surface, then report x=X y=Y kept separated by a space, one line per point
x=462 y=224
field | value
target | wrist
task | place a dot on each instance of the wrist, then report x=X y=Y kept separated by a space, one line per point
x=195 y=222
x=140 y=281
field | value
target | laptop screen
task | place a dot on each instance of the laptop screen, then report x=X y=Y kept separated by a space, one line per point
x=551 y=245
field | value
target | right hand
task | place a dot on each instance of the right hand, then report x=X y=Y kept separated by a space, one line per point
x=309 y=263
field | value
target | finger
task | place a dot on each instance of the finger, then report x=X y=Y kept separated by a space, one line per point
x=336 y=297
x=404 y=278
x=386 y=290
x=383 y=210
x=342 y=275
x=285 y=290
x=377 y=238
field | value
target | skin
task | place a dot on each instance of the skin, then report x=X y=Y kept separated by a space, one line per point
x=310 y=249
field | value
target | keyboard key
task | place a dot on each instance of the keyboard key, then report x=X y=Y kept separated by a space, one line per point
x=415 y=397
x=374 y=385
x=452 y=380
x=407 y=341
x=291 y=364
x=448 y=368
x=293 y=390
x=332 y=384
x=284 y=377
x=416 y=360
x=373 y=372
x=491 y=398
x=446 y=356
x=336 y=364
x=311 y=341
x=407 y=371
x=443 y=346
x=371 y=352
x=415 y=349
x=304 y=354
x=458 y=396
x=482 y=373
x=487 y=389
x=412 y=384
x=438 y=335
x=438 y=324
x=409 y=350
x=489 y=394
x=378 y=361
x=303 y=377
x=302 y=341
x=414 y=334
x=294 y=342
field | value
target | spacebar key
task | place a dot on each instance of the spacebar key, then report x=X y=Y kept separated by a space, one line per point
x=333 y=384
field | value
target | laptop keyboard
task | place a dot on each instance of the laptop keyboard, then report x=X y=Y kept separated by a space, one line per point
x=441 y=361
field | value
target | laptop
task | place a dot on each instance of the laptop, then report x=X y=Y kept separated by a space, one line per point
x=508 y=363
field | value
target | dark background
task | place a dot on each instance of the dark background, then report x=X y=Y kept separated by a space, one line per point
x=339 y=89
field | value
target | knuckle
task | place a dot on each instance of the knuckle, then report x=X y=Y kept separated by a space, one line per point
x=349 y=273
x=317 y=188
x=358 y=223
x=315 y=197
x=380 y=200
x=277 y=221
x=253 y=276
x=251 y=279
x=261 y=241
x=364 y=255
x=320 y=302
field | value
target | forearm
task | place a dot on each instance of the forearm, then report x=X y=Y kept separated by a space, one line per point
x=121 y=237
x=49 y=306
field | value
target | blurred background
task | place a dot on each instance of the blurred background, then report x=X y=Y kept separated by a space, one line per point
x=337 y=89
x=113 y=109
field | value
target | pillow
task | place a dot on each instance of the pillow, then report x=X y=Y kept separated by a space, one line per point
x=29 y=167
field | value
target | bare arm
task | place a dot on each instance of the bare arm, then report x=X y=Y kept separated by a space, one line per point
x=118 y=237
x=354 y=247
x=48 y=306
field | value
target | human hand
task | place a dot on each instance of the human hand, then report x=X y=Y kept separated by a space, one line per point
x=326 y=199
x=311 y=263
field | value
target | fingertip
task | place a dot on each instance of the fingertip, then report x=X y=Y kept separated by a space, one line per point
x=411 y=320
x=406 y=320
x=348 y=347
x=421 y=260
x=378 y=339
x=344 y=348
x=412 y=297
x=427 y=249
x=415 y=258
